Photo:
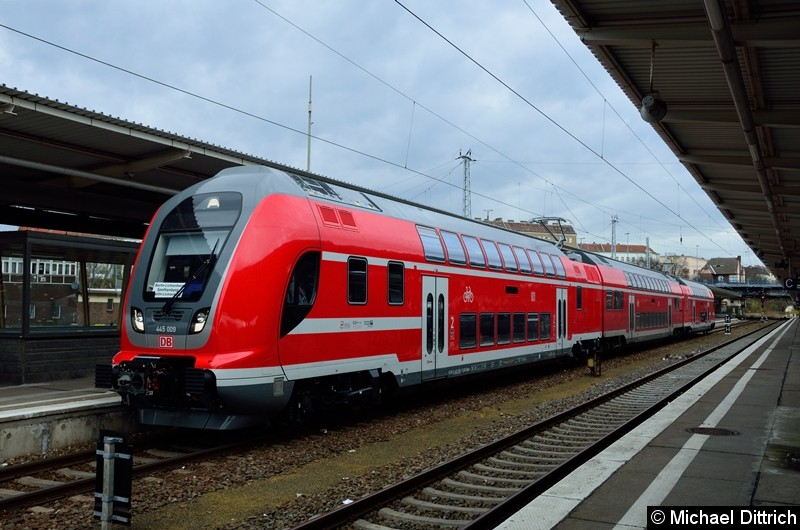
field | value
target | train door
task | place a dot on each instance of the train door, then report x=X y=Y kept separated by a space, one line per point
x=669 y=313
x=561 y=317
x=434 y=324
x=631 y=315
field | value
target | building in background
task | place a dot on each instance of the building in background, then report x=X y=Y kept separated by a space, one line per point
x=639 y=255
x=682 y=266
x=538 y=230
x=723 y=270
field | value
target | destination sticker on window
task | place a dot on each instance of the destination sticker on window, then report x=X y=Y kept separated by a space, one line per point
x=166 y=289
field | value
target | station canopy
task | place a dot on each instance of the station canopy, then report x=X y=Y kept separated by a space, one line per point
x=718 y=79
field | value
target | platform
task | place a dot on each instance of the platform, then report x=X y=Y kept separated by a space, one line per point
x=731 y=441
x=44 y=417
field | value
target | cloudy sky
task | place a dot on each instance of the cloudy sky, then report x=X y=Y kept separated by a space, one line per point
x=400 y=91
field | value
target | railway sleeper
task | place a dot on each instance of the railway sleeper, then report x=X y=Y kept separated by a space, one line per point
x=467 y=486
x=527 y=474
x=521 y=464
x=555 y=445
x=436 y=507
x=493 y=479
x=427 y=522
x=594 y=420
x=533 y=455
x=361 y=524
x=567 y=433
x=459 y=497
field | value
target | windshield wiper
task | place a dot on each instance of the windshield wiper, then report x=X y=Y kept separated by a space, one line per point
x=203 y=266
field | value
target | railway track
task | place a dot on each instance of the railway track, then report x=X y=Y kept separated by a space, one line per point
x=484 y=487
x=53 y=478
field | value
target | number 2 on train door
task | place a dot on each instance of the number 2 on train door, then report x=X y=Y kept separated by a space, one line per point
x=434 y=324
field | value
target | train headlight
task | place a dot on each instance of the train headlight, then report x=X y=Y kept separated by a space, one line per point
x=199 y=321
x=137 y=319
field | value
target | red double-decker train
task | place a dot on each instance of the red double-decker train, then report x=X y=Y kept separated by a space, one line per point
x=262 y=291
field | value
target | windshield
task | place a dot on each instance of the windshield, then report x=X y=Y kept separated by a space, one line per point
x=190 y=238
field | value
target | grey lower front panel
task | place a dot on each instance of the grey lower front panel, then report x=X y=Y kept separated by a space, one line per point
x=240 y=407
x=192 y=419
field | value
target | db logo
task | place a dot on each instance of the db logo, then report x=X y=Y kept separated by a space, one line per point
x=469 y=297
x=166 y=341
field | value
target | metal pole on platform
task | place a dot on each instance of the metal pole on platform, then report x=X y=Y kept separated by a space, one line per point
x=109 y=453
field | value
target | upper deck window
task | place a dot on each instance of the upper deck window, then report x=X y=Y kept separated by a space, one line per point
x=508 y=257
x=431 y=244
x=560 y=271
x=476 y=256
x=455 y=251
x=524 y=262
x=492 y=254
x=319 y=188
x=536 y=260
x=549 y=268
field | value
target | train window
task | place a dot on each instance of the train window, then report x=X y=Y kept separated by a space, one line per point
x=544 y=325
x=301 y=292
x=468 y=331
x=210 y=210
x=440 y=322
x=618 y=300
x=549 y=268
x=487 y=329
x=455 y=251
x=429 y=322
x=431 y=244
x=518 y=328
x=508 y=257
x=560 y=271
x=476 y=256
x=579 y=297
x=396 y=281
x=533 y=327
x=492 y=254
x=536 y=260
x=189 y=241
x=318 y=188
x=503 y=328
x=628 y=279
x=357 y=280
x=522 y=258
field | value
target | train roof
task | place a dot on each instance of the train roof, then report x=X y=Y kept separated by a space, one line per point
x=326 y=189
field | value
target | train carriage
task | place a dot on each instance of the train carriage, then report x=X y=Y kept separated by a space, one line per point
x=261 y=291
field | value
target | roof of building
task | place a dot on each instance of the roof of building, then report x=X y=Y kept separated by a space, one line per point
x=601 y=248
x=719 y=266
